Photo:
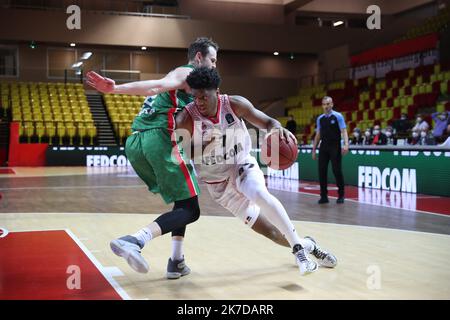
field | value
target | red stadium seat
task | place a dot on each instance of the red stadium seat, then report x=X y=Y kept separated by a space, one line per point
x=390 y=102
x=436 y=87
x=408 y=90
x=447 y=106
x=397 y=112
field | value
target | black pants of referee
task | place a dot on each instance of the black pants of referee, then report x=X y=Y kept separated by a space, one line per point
x=333 y=153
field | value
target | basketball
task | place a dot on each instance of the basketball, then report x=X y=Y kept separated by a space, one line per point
x=287 y=152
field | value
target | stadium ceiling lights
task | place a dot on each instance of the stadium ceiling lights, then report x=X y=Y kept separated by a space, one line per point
x=77 y=65
x=72 y=44
x=86 y=55
x=276 y=53
x=338 y=23
x=143 y=48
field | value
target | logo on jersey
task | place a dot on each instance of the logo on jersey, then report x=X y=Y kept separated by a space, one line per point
x=222 y=158
x=147 y=108
x=248 y=219
x=229 y=117
x=3 y=232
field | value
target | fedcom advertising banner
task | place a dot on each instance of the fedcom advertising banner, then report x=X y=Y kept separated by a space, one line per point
x=426 y=172
x=87 y=156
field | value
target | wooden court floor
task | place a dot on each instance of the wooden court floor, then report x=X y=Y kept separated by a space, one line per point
x=383 y=253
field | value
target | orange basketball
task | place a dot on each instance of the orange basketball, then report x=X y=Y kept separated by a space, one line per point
x=278 y=153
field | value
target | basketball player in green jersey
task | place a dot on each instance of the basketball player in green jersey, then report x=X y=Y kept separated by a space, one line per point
x=154 y=154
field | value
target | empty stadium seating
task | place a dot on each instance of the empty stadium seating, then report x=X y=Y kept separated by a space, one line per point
x=433 y=24
x=47 y=111
x=122 y=109
x=366 y=102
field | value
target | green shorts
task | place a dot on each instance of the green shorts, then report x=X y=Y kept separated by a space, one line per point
x=161 y=166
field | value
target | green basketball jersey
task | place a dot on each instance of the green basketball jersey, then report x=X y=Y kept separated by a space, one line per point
x=157 y=112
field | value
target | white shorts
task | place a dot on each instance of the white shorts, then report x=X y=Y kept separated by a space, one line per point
x=228 y=193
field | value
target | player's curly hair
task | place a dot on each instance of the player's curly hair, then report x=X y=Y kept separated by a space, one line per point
x=204 y=78
x=201 y=44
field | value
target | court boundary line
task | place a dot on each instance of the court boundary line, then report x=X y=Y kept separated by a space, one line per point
x=226 y=217
x=283 y=190
x=378 y=205
x=366 y=203
x=114 y=284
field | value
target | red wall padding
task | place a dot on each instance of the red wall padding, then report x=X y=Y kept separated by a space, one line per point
x=24 y=154
x=395 y=50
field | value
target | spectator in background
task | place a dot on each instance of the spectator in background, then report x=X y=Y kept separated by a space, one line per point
x=291 y=125
x=402 y=125
x=448 y=126
x=367 y=137
x=427 y=138
x=356 y=139
x=379 y=138
x=414 y=138
x=391 y=139
x=421 y=124
x=441 y=120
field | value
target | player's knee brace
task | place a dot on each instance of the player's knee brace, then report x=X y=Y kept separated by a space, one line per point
x=180 y=232
x=184 y=212
x=191 y=206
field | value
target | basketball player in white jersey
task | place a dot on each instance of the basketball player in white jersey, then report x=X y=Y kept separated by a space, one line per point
x=222 y=160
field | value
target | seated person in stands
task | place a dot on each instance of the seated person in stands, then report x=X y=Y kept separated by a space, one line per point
x=379 y=138
x=357 y=139
x=402 y=125
x=367 y=137
x=441 y=120
x=448 y=126
x=291 y=125
x=426 y=138
x=414 y=138
x=390 y=137
x=421 y=124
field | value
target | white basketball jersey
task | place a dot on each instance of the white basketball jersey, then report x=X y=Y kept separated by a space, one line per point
x=220 y=142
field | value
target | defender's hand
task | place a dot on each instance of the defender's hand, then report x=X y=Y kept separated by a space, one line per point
x=102 y=84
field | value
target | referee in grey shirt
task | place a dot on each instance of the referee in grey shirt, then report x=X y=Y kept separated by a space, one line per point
x=330 y=126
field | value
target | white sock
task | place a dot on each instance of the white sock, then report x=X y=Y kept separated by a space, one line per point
x=144 y=235
x=307 y=244
x=177 y=250
x=255 y=189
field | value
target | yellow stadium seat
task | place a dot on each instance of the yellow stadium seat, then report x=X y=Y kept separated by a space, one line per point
x=71 y=132
x=82 y=132
x=17 y=116
x=422 y=89
x=29 y=131
x=40 y=131
x=123 y=132
x=50 y=131
x=61 y=132
x=92 y=133
x=21 y=130
x=444 y=87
